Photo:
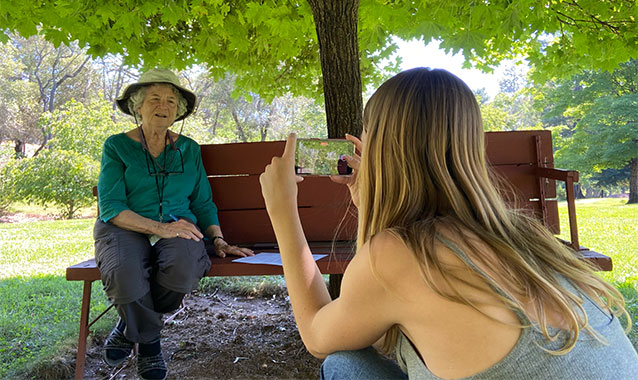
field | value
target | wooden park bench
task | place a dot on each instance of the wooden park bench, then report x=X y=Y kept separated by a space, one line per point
x=524 y=158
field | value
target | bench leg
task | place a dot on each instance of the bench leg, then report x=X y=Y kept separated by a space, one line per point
x=334 y=285
x=84 y=330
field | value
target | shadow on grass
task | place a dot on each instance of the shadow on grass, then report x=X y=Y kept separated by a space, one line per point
x=39 y=322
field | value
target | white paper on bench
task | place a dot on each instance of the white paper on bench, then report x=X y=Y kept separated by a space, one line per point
x=270 y=258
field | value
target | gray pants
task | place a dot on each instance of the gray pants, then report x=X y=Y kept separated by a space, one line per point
x=145 y=281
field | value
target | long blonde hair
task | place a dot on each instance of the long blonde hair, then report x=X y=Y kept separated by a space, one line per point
x=424 y=166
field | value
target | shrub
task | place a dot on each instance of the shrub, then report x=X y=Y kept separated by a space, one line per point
x=61 y=177
x=6 y=186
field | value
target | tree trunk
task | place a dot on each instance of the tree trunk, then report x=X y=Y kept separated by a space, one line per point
x=263 y=131
x=633 y=181
x=20 y=149
x=336 y=24
x=45 y=139
x=240 y=129
x=578 y=190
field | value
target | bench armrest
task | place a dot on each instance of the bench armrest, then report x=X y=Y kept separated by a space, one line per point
x=569 y=177
x=557 y=174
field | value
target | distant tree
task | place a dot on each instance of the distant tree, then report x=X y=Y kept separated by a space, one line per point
x=298 y=114
x=509 y=112
x=601 y=114
x=19 y=103
x=6 y=178
x=482 y=96
x=64 y=174
x=607 y=137
x=513 y=79
x=56 y=73
x=496 y=118
x=113 y=76
x=82 y=128
x=612 y=180
x=224 y=115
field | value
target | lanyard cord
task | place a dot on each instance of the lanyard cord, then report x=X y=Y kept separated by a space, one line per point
x=160 y=195
x=145 y=148
x=160 y=189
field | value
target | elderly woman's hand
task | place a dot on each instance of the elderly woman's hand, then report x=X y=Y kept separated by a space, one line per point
x=180 y=229
x=222 y=249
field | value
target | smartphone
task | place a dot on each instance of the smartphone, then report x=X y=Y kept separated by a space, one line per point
x=323 y=157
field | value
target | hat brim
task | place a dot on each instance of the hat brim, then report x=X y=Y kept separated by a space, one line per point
x=122 y=101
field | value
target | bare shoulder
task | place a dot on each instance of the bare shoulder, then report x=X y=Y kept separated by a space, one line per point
x=393 y=263
x=402 y=268
x=387 y=248
x=379 y=262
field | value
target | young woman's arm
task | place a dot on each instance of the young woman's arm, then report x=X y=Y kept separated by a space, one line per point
x=360 y=316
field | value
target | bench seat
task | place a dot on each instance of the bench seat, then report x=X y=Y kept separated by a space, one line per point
x=334 y=263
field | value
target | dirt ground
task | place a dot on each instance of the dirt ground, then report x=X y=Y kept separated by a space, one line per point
x=224 y=336
x=218 y=335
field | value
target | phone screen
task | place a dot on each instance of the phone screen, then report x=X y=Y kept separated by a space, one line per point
x=323 y=157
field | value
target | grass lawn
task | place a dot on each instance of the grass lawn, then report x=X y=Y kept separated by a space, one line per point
x=40 y=310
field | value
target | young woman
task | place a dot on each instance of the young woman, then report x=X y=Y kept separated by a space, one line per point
x=457 y=283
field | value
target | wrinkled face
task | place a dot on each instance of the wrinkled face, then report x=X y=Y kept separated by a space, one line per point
x=159 y=108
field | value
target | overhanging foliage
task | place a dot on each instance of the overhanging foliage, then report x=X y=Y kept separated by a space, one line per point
x=272 y=45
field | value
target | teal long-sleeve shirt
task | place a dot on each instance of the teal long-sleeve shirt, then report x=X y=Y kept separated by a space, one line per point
x=125 y=184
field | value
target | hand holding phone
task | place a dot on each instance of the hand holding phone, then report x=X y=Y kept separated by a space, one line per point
x=354 y=162
x=323 y=157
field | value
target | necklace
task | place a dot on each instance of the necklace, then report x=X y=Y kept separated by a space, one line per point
x=160 y=175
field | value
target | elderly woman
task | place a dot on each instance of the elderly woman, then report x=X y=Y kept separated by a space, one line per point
x=155 y=208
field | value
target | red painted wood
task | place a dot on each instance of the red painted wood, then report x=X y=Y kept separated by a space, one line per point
x=84 y=330
x=335 y=263
x=238 y=193
x=319 y=223
x=524 y=180
x=518 y=147
x=240 y=158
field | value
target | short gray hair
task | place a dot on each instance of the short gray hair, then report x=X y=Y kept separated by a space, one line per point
x=136 y=100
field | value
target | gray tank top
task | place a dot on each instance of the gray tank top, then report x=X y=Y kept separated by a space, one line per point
x=589 y=359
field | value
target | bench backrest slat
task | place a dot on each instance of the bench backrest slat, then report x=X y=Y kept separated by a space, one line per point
x=244 y=192
x=240 y=158
x=234 y=171
x=253 y=226
x=518 y=147
x=325 y=207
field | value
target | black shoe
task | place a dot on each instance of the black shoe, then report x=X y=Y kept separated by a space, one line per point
x=116 y=347
x=151 y=367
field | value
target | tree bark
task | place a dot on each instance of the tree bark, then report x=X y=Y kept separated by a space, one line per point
x=633 y=181
x=240 y=129
x=20 y=149
x=336 y=25
x=578 y=190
